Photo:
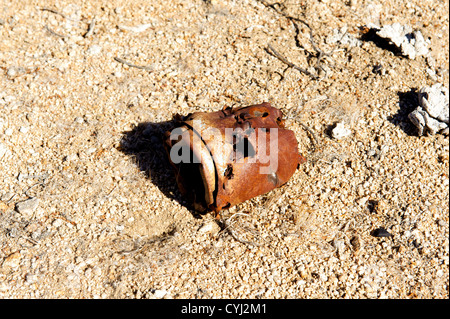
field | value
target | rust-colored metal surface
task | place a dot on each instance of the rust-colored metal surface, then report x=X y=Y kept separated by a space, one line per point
x=226 y=157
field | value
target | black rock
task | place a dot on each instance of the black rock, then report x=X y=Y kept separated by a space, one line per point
x=381 y=232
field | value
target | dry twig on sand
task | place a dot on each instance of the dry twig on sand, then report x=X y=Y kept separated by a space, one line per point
x=55 y=12
x=273 y=52
x=90 y=29
x=54 y=33
x=147 y=68
x=316 y=141
x=319 y=54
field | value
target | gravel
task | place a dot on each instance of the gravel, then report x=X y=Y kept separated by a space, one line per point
x=83 y=132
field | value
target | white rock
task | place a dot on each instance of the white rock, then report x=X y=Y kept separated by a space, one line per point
x=94 y=49
x=433 y=113
x=209 y=227
x=13 y=260
x=159 y=294
x=70 y=158
x=339 y=244
x=24 y=129
x=12 y=72
x=411 y=43
x=9 y=98
x=434 y=100
x=31 y=278
x=27 y=207
x=118 y=74
x=340 y=131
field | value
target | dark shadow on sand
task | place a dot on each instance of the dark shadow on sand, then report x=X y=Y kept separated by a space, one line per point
x=382 y=43
x=145 y=144
x=408 y=102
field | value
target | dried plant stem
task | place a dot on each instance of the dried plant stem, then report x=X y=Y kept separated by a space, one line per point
x=54 y=33
x=90 y=29
x=316 y=142
x=147 y=68
x=272 y=51
x=54 y=11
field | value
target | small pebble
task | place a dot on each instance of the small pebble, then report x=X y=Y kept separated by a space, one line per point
x=355 y=242
x=70 y=158
x=57 y=222
x=27 y=207
x=30 y=278
x=159 y=294
x=118 y=74
x=381 y=232
x=340 y=131
x=12 y=260
x=24 y=129
x=441 y=223
x=12 y=72
x=209 y=227
x=79 y=120
x=94 y=49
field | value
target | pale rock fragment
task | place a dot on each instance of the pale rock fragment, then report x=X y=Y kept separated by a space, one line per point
x=340 y=131
x=432 y=114
x=411 y=43
x=27 y=207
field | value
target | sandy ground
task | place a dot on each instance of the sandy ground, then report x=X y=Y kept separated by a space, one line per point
x=88 y=204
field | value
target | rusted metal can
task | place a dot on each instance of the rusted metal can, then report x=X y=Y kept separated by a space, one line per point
x=226 y=157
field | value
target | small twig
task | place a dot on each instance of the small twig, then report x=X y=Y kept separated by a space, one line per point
x=227 y=227
x=30 y=240
x=134 y=250
x=112 y=190
x=319 y=53
x=61 y=14
x=90 y=29
x=54 y=33
x=273 y=52
x=236 y=214
x=64 y=218
x=316 y=142
x=54 y=11
x=147 y=68
x=32 y=186
x=10 y=200
x=139 y=248
x=243 y=241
